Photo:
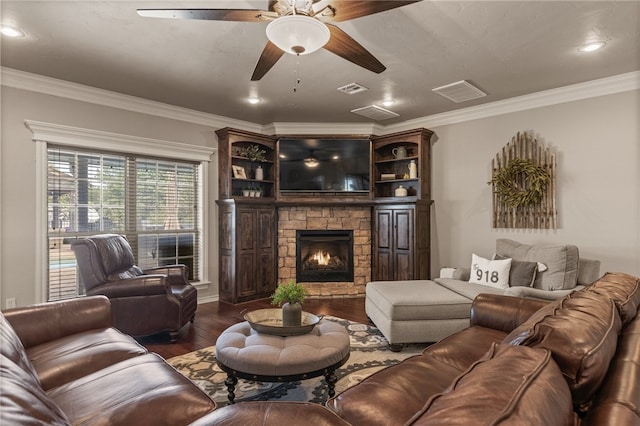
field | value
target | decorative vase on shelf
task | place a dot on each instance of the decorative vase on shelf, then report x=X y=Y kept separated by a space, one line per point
x=292 y=315
x=401 y=191
x=259 y=173
x=413 y=170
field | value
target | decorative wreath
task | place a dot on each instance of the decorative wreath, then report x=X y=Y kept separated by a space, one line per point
x=520 y=183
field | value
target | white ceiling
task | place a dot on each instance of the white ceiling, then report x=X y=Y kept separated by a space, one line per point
x=505 y=48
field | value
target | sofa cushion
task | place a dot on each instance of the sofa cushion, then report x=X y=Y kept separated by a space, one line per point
x=581 y=331
x=465 y=347
x=393 y=395
x=522 y=273
x=22 y=401
x=492 y=273
x=484 y=395
x=266 y=413
x=12 y=348
x=70 y=357
x=561 y=262
x=143 y=390
x=466 y=289
x=623 y=289
x=618 y=399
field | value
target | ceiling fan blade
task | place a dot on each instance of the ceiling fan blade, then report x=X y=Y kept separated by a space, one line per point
x=346 y=47
x=239 y=15
x=269 y=57
x=351 y=9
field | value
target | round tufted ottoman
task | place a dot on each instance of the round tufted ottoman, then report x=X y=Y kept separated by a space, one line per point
x=244 y=353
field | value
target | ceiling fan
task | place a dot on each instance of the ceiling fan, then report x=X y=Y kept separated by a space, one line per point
x=298 y=27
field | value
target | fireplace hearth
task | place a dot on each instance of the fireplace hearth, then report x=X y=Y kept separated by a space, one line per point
x=324 y=256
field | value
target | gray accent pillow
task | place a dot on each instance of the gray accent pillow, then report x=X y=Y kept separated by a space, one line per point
x=522 y=273
x=561 y=261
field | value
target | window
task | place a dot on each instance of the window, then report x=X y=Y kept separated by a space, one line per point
x=153 y=202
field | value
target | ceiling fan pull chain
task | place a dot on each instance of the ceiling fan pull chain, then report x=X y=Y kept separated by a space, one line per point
x=295 y=88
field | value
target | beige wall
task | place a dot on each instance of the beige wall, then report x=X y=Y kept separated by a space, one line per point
x=597 y=142
x=18 y=175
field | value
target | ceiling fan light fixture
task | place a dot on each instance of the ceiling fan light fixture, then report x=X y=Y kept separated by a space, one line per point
x=592 y=47
x=298 y=34
x=311 y=161
x=12 y=32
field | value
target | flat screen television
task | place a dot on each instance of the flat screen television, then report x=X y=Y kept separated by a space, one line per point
x=324 y=165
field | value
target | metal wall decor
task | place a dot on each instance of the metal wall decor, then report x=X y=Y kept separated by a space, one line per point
x=524 y=185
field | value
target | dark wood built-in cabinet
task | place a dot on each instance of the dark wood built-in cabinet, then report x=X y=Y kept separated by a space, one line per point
x=401 y=224
x=248 y=225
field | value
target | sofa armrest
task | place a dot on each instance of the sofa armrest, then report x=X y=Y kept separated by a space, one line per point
x=588 y=271
x=502 y=312
x=45 y=322
x=537 y=293
x=177 y=274
x=143 y=285
x=462 y=274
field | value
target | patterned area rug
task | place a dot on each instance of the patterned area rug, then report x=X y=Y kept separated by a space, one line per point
x=369 y=353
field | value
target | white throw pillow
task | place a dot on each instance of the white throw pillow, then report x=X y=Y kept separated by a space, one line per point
x=492 y=273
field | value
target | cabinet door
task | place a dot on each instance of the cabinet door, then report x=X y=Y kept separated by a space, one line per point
x=246 y=251
x=266 y=237
x=403 y=238
x=227 y=271
x=382 y=250
x=393 y=251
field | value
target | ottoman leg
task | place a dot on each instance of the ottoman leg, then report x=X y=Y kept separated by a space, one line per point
x=331 y=380
x=395 y=347
x=231 y=387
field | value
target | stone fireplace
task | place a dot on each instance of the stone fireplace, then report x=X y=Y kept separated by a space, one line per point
x=324 y=255
x=352 y=223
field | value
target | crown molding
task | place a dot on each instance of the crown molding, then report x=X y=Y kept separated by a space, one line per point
x=79 y=92
x=575 y=92
x=80 y=137
x=286 y=128
x=51 y=86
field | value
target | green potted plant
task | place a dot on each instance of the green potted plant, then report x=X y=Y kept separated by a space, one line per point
x=290 y=296
x=255 y=153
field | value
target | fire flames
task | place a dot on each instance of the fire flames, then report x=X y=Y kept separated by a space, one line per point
x=321 y=257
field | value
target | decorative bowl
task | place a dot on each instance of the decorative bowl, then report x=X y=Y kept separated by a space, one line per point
x=269 y=321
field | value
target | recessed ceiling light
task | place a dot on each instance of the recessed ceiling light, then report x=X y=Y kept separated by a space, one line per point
x=592 y=47
x=388 y=102
x=11 y=31
x=253 y=100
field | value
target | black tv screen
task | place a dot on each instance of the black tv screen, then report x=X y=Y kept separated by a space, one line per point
x=330 y=165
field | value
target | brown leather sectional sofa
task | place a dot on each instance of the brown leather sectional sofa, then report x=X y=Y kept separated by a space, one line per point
x=574 y=361
x=62 y=363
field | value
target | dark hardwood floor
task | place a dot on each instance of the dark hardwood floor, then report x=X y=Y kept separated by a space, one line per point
x=213 y=318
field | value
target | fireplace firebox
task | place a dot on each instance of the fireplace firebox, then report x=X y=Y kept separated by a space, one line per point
x=324 y=256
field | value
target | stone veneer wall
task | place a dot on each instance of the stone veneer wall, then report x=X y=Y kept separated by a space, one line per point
x=357 y=219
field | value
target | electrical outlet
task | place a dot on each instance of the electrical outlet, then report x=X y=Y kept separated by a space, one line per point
x=10 y=302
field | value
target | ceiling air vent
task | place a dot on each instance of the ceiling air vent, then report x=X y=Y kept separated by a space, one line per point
x=460 y=91
x=352 y=88
x=375 y=113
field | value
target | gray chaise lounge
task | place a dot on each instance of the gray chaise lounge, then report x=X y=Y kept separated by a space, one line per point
x=429 y=310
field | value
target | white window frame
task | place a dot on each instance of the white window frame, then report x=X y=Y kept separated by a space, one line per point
x=76 y=137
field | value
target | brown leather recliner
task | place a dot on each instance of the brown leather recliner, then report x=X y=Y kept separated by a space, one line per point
x=142 y=302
